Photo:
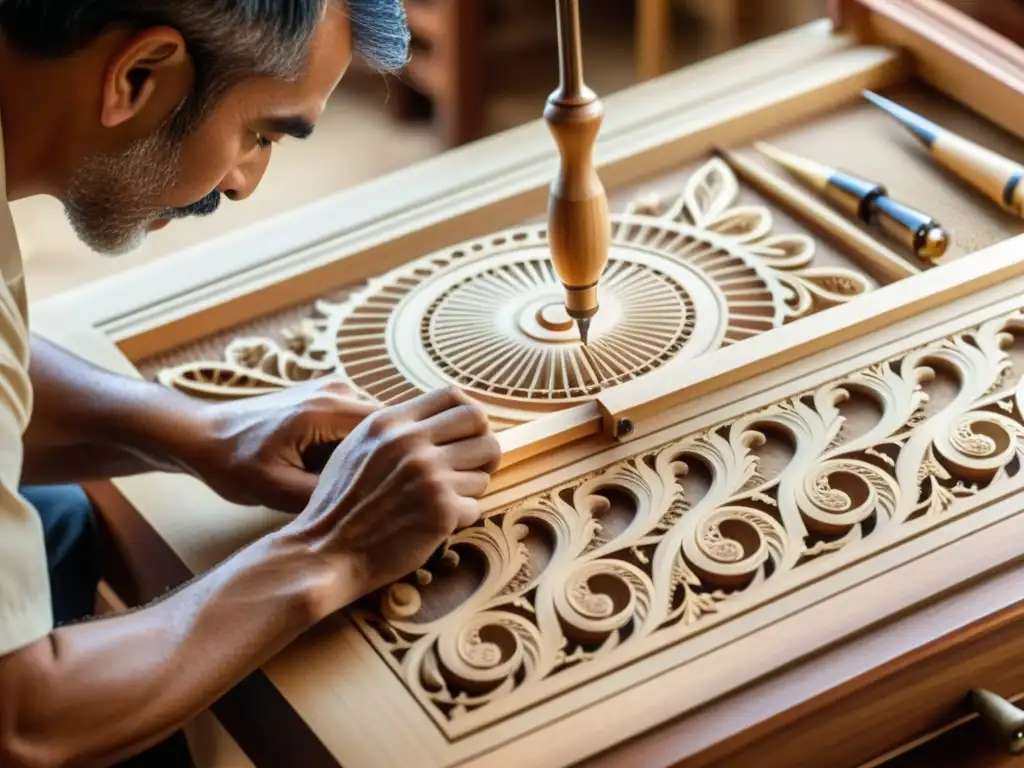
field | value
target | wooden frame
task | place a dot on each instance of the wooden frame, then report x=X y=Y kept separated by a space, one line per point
x=355 y=235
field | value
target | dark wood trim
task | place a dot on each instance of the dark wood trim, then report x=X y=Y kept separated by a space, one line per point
x=869 y=716
x=967 y=746
x=258 y=717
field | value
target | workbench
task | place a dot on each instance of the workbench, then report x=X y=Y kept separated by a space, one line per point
x=808 y=547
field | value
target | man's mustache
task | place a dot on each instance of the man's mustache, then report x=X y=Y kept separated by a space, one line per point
x=203 y=207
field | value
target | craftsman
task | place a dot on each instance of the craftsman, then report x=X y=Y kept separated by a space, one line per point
x=133 y=113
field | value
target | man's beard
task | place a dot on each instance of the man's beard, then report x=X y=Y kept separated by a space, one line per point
x=111 y=200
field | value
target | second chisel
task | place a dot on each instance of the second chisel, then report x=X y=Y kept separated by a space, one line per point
x=868 y=201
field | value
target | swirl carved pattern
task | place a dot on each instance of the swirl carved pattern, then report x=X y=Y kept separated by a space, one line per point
x=683 y=279
x=585 y=577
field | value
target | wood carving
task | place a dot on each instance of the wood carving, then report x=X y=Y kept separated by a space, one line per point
x=813 y=520
x=682 y=280
x=561 y=588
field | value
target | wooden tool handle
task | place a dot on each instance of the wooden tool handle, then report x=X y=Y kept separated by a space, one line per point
x=579 y=227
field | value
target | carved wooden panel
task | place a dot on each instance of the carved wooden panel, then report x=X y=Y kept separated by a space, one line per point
x=684 y=278
x=560 y=589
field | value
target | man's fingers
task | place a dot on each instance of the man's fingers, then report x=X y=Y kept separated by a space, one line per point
x=423 y=407
x=467 y=512
x=478 y=453
x=460 y=423
x=472 y=485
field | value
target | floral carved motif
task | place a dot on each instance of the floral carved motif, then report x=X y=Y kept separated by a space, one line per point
x=683 y=279
x=586 y=577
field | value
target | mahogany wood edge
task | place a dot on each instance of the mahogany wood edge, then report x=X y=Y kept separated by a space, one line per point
x=977 y=642
x=986 y=36
x=956 y=54
x=968 y=743
x=846 y=701
x=254 y=712
x=958 y=27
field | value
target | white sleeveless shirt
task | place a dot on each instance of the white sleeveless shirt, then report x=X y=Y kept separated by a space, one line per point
x=25 y=611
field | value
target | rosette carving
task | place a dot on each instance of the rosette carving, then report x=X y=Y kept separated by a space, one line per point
x=486 y=315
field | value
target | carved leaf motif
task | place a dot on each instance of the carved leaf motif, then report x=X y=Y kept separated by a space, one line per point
x=742 y=225
x=220 y=380
x=786 y=252
x=708 y=193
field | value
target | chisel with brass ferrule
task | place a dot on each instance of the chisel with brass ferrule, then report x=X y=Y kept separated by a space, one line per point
x=998 y=178
x=868 y=201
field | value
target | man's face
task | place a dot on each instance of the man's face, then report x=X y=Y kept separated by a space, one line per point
x=117 y=196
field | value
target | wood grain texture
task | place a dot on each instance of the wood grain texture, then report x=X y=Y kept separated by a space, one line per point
x=692 y=272
x=914 y=695
x=898 y=692
x=955 y=53
x=334 y=650
x=754 y=546
x=651 y=548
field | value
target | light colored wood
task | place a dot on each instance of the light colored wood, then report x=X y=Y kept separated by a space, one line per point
x=579 y=229
x=998 y=178
x=877 y=260
x=881 y=571
x=107 y=600
x=867 y=201
x=680 y=600
x=941 y=471
x=645 y=399
x=562 y=465
x=474 y=191
x=212 y=747
x=690 y=274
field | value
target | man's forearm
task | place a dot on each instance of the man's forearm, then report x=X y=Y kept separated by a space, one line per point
x=89 y=423
x=99 y=692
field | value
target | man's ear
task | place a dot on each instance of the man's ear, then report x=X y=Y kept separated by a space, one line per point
x=151 y=73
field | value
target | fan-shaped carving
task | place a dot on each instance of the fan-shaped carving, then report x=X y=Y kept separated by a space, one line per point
x=487 y=315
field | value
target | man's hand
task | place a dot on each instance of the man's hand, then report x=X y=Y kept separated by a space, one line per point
x=257 y=451
x=397 y=487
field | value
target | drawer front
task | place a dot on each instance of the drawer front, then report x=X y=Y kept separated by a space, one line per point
x=909 y=699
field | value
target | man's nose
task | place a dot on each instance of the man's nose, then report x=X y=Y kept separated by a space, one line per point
x=245 y=178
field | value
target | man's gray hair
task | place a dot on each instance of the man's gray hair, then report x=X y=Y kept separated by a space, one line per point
x=229 y=40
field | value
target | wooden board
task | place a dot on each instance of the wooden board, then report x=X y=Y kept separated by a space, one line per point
x=827 y=511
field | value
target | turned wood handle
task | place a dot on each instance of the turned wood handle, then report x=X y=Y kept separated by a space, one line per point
x=1006 y=720
x=579 y=225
